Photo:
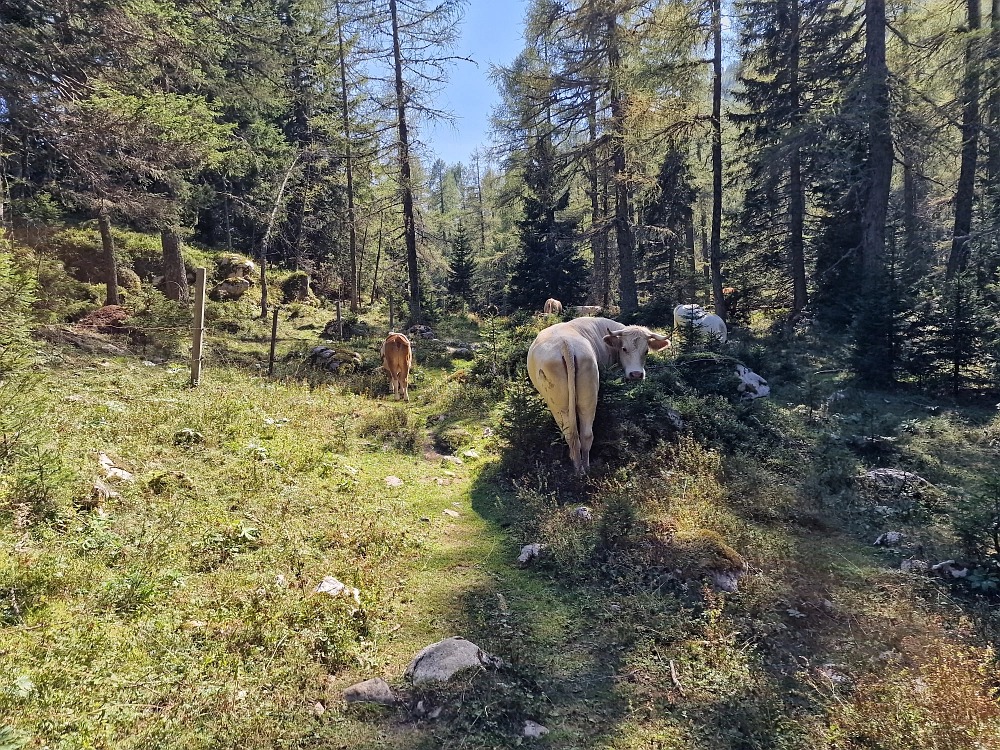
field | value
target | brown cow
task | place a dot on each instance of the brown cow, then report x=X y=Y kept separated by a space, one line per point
x=552 y=307
x=396 y=359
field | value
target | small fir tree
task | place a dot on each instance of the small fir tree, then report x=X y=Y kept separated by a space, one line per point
x=463 y=266
x=549 y=264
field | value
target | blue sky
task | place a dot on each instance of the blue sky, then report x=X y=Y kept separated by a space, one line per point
x=491 y=33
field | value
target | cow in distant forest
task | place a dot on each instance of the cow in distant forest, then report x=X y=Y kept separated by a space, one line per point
x=696 y=317
x=552 y=307
x=396 y=360
x=564 y=362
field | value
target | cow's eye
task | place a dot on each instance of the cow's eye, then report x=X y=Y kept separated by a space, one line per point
x=624 y=350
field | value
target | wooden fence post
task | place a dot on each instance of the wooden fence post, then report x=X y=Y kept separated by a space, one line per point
x=274 y=338
x=340 y=322
x=198 y=331
x=392 y=323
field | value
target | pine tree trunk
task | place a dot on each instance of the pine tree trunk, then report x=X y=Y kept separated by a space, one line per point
x=879 y=144
x=797 y=196
x=596 y=239
x=405 y=181
x=352 y=231
x=110 y=258
x=629 y=298
x=993 y=154
x=965 y=196
x=175 y=281
x=715 y=257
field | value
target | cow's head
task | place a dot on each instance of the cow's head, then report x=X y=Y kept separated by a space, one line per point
x=632 y=344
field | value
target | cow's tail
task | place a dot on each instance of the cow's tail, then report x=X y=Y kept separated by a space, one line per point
x=572 y=428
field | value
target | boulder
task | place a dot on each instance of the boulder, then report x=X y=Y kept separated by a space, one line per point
x=233 y=266
x=375 y=690
x=230 y=289
x=443 y=660
x=332 y=587
x=530 y=551
x=422 y=332
x=334 y=360
x=533 y=729
x=752 y=385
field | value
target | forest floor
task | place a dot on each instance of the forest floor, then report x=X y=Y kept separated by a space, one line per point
x=182 y=613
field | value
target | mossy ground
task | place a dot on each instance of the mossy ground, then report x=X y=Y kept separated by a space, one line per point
x=183 y=614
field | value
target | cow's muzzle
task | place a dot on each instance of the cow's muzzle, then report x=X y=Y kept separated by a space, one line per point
x=637 y=375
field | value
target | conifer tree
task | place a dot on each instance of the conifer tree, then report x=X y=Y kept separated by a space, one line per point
x=463 y=266
x=549 y=264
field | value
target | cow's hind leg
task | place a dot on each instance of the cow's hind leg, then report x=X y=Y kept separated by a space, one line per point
x=557 y=400
x=587 y=380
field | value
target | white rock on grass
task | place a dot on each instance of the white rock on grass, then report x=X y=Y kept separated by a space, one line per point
x=450 y=512
x=889 y=537
x=113 y=472
x=375 y=690
x=950 y=568
x=583 y=513
x=530 y=551
x=442 y=660
x=914 y=566
x=333 y=587
x=391 y=481
x=453 y=460
x=471 y=454
x=534 y=729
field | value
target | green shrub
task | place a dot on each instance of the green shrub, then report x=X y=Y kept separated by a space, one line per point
x=390 y=424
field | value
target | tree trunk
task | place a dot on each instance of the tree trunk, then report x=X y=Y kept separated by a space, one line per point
x=175 y=282
x=405 y=182
x=879 y=144
x=797 y=197
x=715 y=256
x=965 y=196
x=110 y=257
x=596 y=236
x=623 y=231
x=352 y=232
x=993 y=154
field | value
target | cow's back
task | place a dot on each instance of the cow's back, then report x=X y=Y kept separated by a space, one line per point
x=396 y=352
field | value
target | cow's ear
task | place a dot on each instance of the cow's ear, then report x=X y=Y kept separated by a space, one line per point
x=612 y=339
x=657 y=343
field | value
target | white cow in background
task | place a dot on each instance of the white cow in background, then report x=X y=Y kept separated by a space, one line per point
x=695 y=316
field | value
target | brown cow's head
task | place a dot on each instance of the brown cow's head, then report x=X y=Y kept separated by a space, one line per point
x=632 y=344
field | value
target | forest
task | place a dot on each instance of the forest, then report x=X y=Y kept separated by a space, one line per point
x=211 y=561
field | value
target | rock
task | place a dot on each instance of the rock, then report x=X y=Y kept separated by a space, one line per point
x=187 y=436
x=391 y=481
x=949 y=569
x=230 y=289
x=530 y=551
x=583 y=514
x=453 y=460
x=752 y=385
x=830 y=672
x=674 y=417
x=914 y=566
x=435 y=712
x=318 y=708
x=727 y=581
x=443 y=482
x=471 y=454
x=889 y=537
x=534 y=729
x=375 y=690
x=233 y=266
x=891 y=478
x=113 y=472
x=334 y=360
x=333 y=587
x=487 y=432
x=442 y=660
x=99 y=494
x=423 y=332
x=450 y=512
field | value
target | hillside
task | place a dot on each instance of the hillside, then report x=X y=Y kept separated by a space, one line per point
x=179 y=610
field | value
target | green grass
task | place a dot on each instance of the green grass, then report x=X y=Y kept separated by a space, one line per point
x=182 y=614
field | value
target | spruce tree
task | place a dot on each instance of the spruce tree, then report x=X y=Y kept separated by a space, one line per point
x=549 y=264
x=463 y=267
